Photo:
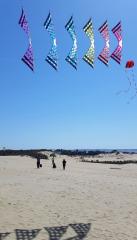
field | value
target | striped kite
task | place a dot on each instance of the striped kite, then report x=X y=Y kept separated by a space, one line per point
x=89 y=56
x=117 y=54
x=104 y=55
x=28 y=58
x=72 y=56
x=52 y=57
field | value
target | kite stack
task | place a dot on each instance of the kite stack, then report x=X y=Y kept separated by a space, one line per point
x=89 y=57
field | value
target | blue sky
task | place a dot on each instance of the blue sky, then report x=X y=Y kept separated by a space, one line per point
x=68 y=108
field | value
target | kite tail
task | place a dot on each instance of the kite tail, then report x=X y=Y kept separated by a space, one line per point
x=89 y=56
x=134 y=81
x=129 y=87
x=135 y=87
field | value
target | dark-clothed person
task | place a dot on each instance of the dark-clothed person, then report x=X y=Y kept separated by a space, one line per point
x=64 y=164
x=38 y=162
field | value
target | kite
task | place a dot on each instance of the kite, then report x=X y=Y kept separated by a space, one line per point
x=28 y=58
x=89 y=56
x=117 y=54
x=72 y=56
x=52 y=57
x=131 y=79
x=129 y=64
x=104 y=55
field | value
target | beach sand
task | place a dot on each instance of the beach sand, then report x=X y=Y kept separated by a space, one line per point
x=102 y=197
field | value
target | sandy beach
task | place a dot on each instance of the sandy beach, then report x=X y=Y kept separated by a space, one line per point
x=86 y=201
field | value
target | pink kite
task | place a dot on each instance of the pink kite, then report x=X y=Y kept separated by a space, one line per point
x=117 y=54
x=104 y=55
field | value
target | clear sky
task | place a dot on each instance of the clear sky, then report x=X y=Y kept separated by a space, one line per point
x=68 y=108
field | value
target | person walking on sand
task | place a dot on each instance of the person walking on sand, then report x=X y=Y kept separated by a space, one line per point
x=38 y=162
x=64 y=164
x=53 y=163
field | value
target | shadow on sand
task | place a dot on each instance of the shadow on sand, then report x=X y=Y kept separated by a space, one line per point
x=55 y=233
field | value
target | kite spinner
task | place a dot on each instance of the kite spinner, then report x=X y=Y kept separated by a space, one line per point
x=52 y=57
x=104 y=55
x=117 y=54
x=89 y=56
x=72 y=56
x=28 y=58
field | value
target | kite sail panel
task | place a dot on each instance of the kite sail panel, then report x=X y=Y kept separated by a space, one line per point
x=28 y=58
x=72 y=56
x=117 y=54
x=52 y=57
x=89 y=56
x=104 y=55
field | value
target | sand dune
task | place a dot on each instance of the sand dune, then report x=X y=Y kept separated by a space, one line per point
x=101 y=197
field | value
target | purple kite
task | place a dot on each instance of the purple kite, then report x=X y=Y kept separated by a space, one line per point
x=117 y=54
x=28 y=58
x=104 y=55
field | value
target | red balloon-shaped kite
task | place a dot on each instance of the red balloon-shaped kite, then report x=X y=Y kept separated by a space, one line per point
x=131 y=79
x=129 y=64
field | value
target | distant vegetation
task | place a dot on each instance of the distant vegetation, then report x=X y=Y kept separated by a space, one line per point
x=30 y=153
x=111 y=162
x=89 y=153
x=80 y=152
